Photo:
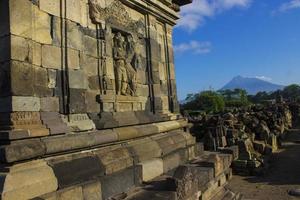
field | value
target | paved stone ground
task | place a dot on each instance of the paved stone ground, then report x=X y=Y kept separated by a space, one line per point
x=283 y=175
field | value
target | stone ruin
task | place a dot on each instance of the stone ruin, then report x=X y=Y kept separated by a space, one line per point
x=257 y=131
x=88 y=105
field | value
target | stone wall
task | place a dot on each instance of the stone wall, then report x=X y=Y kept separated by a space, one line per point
x=88 y=59
x=88 y=105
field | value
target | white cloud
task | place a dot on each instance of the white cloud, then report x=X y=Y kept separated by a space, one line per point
x=193 y=46
x=265 y=78
x=195 y=14
x=292 y=4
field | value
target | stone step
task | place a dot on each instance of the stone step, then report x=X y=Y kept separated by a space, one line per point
x=105 y=172
x=79 y=141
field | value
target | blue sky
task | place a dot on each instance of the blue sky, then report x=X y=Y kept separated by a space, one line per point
x=218 y=39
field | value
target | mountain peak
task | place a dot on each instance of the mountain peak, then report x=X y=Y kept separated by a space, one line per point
x=251 y=85
x=239 y=77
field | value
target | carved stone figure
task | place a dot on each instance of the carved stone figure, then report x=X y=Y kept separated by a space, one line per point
x=132 y=64
x=126 y=63
x=120 y=64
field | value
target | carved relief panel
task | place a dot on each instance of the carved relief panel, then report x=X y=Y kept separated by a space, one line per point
x=126 y=63
x=125 y=57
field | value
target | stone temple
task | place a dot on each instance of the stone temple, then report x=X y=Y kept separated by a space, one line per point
x=88 y=105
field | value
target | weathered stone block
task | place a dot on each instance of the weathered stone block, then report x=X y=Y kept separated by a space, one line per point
x=77 y=101
x=90 y=46
x=115 y=160
x=171 y=161
x=152 y=168
x=91 y=101
x=41 y=82
x=108 y=107
x=80 y=122
x=20 y=118
x=68 y=142
x=145 y=149
x=52 y=78
x=14 y=134
x=17 y=103
x=74 y=193
x=190 y=179
x=89 y=64
x=166 y=144
x=162 y=103
x=22 y=77
x=212 y=160
x=67 y=170
x=126 y=133
x=77 y=79
x=51 y=57
x=54 y=123
x=50 y=104
x=41 y=26
x=117 y=183
x=20 y=21
x=125 y=118
x=36 y=53
x=110 y=73
x=105 y=136
x=141 y=76
x=92 y=191
x=94 y=82
x=73 y=59
x=58 y=28
x=75 y=36
x=142 y=90
x=22 y=150
x=52 y=7
x=77 y=11
x=28 y=180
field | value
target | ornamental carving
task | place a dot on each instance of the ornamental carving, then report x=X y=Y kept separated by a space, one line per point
x=126 y=63
x=115 y=13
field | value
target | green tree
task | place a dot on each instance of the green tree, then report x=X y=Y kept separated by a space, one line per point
x=208 y=101
x=291 y=92
x=235 y=98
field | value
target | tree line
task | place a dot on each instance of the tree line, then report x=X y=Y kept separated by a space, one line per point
x=217 y=101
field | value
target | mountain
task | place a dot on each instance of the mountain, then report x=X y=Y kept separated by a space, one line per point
x=251 y=85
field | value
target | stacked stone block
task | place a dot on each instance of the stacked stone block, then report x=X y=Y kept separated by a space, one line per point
x=88 y=106
x=117 y=168
x=58 y=57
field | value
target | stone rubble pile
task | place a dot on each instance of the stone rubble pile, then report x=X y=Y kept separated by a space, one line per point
x=257 y=131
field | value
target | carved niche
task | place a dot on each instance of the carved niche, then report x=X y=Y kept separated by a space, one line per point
x=126 y=36
x=126 y=63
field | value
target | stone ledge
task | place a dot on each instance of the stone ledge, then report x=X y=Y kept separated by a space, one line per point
x=22 y=150
x=28 y=180
x=93 y=176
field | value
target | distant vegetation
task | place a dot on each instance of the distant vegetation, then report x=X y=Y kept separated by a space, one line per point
x=217 y=101
x=289 y=93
